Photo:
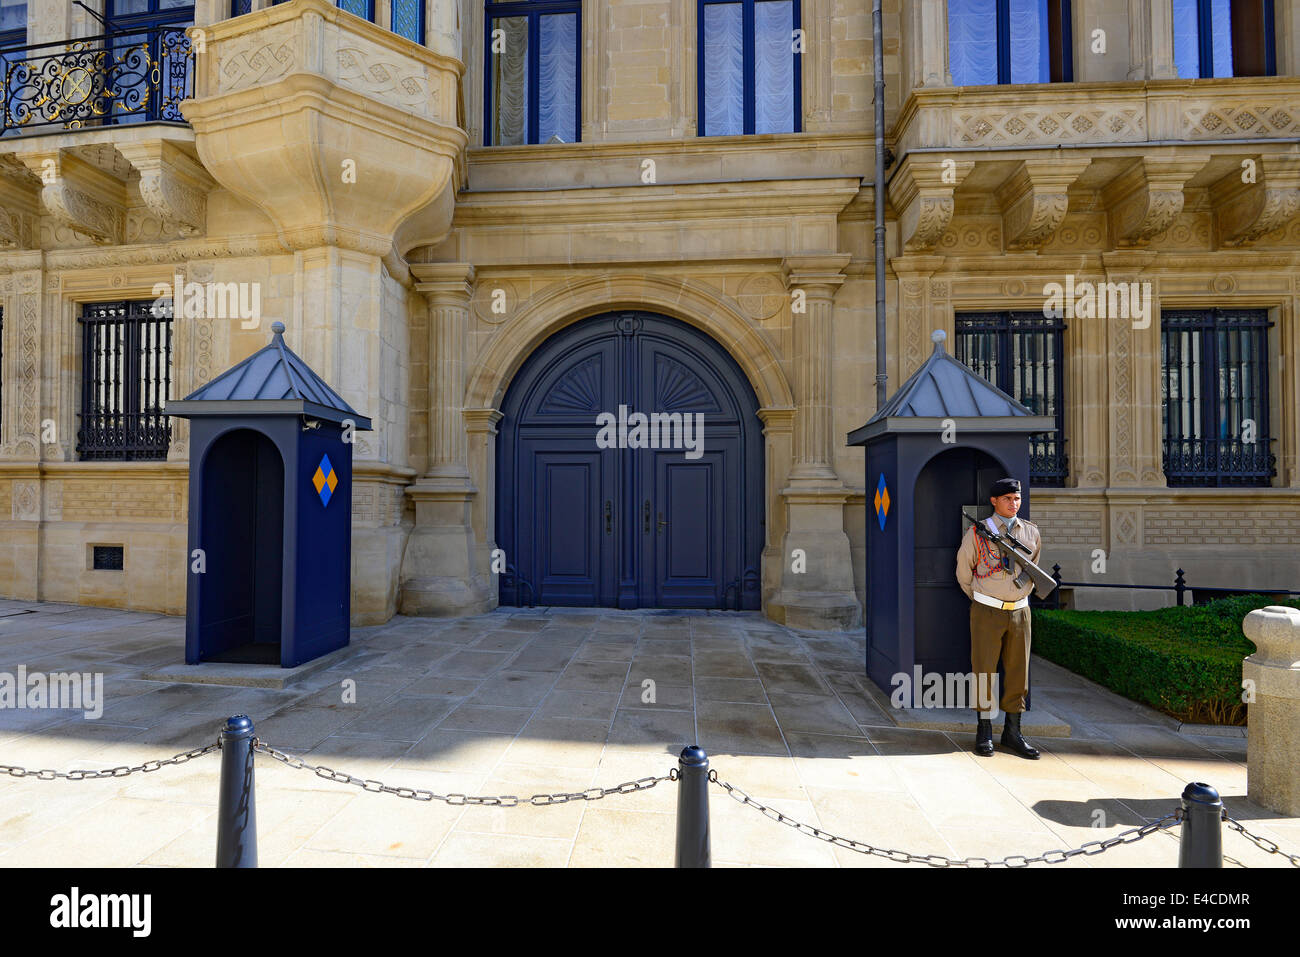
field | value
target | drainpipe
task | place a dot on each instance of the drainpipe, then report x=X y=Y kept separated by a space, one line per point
x=878 y=59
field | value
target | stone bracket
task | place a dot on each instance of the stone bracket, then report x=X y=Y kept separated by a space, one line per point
x=1145 y=199
x=1035 y=198
x=922 y=195
x=172 y=184
x=1245 y=212
x=80 y=195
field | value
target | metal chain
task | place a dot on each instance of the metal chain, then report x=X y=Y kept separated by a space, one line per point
x=118 y=772
x=420 y=794
x=1261 y=842
x=938 y=860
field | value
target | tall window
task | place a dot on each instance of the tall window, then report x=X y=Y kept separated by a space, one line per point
x=125 y=378
x=365 y=9
x=13 y=23
x=533 y=72
x=406 y=19
x=1223 y=38
x=1009 y=41
x=749 y=67
x=148 y=72
x=1215 y=397
x=1021 y=354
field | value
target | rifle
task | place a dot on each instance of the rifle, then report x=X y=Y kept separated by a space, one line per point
x=1018 y=552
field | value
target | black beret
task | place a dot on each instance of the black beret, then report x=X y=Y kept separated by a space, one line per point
x=1004 y=486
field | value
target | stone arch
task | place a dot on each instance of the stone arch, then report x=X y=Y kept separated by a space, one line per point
x=565 y=303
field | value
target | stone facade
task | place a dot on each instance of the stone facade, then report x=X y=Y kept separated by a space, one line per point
x=341 y=168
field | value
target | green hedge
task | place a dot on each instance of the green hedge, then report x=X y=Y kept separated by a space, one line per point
x=1184 y=661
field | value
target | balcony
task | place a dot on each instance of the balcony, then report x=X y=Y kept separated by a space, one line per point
x=139 y=75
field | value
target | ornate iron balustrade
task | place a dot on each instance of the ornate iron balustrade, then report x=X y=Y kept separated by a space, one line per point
x=133 y=75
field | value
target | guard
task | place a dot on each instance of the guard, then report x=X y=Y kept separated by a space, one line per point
x=999 y=615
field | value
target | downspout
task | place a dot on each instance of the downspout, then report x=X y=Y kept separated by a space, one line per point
x=878 y=60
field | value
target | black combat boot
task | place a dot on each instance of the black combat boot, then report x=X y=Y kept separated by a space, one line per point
x=984 y=738
x=1011 y=738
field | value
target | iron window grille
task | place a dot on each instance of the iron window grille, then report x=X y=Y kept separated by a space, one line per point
x=125 y=380
x=1214 y=397
x=1022 y=353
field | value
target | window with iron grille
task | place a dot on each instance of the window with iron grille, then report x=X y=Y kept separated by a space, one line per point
x=1022 y=354
x=1214 y=394
x=125 y=378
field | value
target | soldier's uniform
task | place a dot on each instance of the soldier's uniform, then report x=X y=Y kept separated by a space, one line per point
x=999 y=611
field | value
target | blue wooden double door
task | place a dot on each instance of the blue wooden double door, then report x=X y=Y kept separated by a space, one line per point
x=610 y=520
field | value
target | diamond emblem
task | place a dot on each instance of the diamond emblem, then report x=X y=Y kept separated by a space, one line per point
x=325 y=480
x=881 y=501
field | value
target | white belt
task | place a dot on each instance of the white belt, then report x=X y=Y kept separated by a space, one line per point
x=998 y=603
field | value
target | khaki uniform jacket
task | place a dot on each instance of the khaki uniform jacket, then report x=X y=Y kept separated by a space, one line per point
x=976 y=560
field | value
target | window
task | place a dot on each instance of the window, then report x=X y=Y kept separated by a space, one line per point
x=365 y=9
x=1214 y=394
x=1009 y=41
x=407 y=19
x=749 y=67
x=533 y=73
x=148 y=70
x=13 y=23
x=1021 y=354
x=1223 y=38
x=125 y=379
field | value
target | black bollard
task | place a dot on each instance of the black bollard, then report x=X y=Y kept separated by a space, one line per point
x=1202 y=839
x=236 y=814
x=693 y=808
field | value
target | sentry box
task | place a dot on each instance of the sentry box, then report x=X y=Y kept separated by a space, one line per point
x=935 y=447
x=270 y=507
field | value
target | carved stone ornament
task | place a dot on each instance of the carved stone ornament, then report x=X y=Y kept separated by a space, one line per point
x=1034 y=200
x=1145 y=200
x=1249 y=211
x=923 y=195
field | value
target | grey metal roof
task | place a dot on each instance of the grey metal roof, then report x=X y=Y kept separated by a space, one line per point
x=272 y=381
x=945 y=388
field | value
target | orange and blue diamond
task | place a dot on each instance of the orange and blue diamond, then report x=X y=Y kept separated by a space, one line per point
x=325 y=480
x=881 y=501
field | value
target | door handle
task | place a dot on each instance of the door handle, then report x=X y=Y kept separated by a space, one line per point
x=609 y=517
x=645 y=514
x=662 y=523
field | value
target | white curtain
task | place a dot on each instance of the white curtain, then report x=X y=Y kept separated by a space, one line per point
x=973 y=42
x=1187 y=58
x=510 y=82
x=1221 y=25
x=1031 y=53
x=774 y=67
x=724 y=69
x=557 y=83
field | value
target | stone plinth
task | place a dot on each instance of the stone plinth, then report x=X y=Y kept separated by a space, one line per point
x=1272 y=772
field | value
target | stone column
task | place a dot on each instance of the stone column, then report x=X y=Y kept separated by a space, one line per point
x=816 y=562
x=440 y=573
x=1273 y=673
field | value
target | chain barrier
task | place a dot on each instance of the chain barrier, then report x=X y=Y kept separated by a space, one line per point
x=500 y=800
x=1260 y=842
x=938 y=860
x=118 y=772
x=1089 y=849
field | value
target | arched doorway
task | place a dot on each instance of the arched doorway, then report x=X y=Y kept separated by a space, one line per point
x=664 y=517
x=951 y=479
x=242 y=515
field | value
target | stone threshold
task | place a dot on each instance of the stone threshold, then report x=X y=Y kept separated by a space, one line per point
x=248 y=676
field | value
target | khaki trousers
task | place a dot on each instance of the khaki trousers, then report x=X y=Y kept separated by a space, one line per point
x=996 y=633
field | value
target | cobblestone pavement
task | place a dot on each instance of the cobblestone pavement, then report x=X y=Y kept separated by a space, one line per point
x=522 y=701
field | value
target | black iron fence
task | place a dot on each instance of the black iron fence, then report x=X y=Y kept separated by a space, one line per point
x=135 y=75
x=1180 y=588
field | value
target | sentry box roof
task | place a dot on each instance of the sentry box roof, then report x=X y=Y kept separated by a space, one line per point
x=945 y=388
x=272 y=381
